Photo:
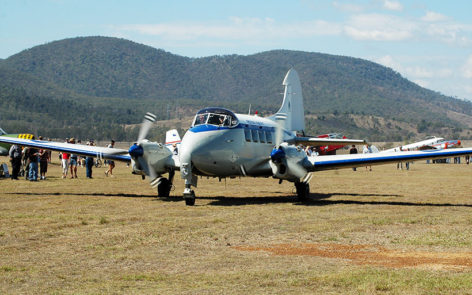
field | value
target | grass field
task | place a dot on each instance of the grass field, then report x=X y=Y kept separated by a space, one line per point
x=385 y=231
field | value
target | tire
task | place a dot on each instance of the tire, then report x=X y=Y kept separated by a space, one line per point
x=303 y=191
x=163 y=188
x=189 y=201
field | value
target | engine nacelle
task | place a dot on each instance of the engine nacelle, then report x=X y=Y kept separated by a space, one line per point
x=287 y=162
x=150 y=155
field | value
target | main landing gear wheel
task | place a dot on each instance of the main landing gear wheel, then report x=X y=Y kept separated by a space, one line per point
x=189 y=198
x=303 y=191
x=163 y=187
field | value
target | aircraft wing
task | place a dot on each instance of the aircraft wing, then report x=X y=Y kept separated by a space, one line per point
x=78 y=149
x=316 y=141
x=359 y=160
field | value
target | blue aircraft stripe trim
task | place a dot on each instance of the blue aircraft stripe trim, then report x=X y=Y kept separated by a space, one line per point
x=207 y=127
x=396 y=158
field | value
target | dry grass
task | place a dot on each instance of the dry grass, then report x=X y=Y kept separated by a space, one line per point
x=111 y=235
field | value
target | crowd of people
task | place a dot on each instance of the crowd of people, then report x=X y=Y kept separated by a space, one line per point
x=26 y=161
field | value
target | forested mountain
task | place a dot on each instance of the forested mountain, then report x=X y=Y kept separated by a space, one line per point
x=108 y=82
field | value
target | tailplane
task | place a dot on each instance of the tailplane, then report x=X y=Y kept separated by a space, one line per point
x=292 y=105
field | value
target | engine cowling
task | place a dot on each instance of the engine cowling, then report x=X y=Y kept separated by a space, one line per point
x=287 y=162
x=150 y=155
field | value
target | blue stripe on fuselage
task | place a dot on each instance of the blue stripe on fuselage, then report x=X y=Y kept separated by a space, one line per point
x=207 y=127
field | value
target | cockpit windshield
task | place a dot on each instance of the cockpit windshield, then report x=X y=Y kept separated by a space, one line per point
x=215 y=116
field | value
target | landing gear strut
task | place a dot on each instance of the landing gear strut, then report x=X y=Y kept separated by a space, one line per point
x=303 y=191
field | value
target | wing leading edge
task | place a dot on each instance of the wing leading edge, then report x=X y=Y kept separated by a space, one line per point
x=359 y=160
x=78 y=149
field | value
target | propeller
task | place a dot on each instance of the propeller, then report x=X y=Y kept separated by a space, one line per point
x=285 y=158
x=149 y=119
x=136 y=151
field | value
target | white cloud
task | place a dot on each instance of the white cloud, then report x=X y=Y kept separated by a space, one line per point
x=348 y=7
x=379 y=27
x=468 y=89
x=392 y=5
x=235 y=29
x=431 y=16
x=422 y=83
x=419 y=72
x=388 y=61
x=467 y=68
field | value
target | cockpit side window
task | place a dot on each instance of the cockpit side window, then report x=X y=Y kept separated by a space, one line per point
x=200 y=119
x=216 y=119
x=216 y=116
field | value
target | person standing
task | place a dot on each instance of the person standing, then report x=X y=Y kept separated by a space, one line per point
x=111 y=163
x=65 y=164
x=33 y=157
x=353 y=151
x=43 y=163
x=367 y=150
x=88 y=164
x=15 y=159
x=73 y=162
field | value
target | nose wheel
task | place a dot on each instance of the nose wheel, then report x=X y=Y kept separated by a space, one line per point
x=189 y=197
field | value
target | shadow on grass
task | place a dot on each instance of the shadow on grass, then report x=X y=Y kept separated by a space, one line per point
x=317 y=199
x=241 y=201
x=88 y=194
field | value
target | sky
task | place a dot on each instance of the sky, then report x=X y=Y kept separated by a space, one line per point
x=427 y=42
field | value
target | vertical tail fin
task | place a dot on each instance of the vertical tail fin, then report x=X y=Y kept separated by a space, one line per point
x=292 y=105
x=173 y=140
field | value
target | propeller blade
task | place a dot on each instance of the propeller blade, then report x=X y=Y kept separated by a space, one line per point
x=279 y=119
x=296 y=169
x=149 y=118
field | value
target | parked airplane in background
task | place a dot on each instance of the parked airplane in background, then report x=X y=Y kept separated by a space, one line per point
x=223 y=144
x=432 y=142
x=5 y=148
x=329 y=149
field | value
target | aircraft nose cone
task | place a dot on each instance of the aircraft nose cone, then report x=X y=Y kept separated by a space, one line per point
x=135 y=151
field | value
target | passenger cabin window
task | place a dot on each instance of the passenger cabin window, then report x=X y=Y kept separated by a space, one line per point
x=247 y=134
x=268 y=136
x=255 y=136
x=261 y=136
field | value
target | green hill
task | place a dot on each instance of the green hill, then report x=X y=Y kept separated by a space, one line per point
x=115 y=81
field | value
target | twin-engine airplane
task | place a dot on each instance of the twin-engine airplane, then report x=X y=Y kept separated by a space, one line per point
x=223 y=144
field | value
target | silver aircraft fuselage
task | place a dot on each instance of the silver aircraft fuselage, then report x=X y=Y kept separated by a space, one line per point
x=240 y=149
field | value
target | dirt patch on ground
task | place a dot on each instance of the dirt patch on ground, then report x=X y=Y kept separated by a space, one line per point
x=372 y=255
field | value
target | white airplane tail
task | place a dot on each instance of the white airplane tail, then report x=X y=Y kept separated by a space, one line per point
x=292 y=105
x=172 y=136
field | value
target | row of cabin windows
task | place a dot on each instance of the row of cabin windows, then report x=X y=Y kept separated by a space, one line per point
x=261 y=136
